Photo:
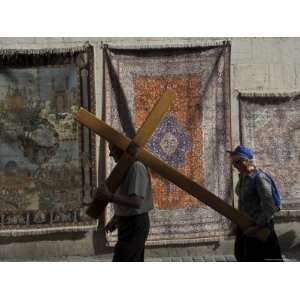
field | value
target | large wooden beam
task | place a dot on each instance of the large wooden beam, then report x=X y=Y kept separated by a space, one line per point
x=191 y=187
x=144 y=133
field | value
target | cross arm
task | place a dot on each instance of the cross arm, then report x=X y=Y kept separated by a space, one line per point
x=194 y=189
x=205 y=196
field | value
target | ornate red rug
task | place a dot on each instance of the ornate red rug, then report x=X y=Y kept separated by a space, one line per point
x=192 y=137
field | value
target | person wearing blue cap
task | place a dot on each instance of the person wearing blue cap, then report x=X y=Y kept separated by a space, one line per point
x=255 y=198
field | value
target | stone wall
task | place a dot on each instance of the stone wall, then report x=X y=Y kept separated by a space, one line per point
x=257 y=64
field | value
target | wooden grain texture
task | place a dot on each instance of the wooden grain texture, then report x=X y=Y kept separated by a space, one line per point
x=191 y=187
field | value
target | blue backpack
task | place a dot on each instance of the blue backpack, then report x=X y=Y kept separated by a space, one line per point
x=275 y=192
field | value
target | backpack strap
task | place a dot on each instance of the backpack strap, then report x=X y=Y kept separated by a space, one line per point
x=257 y=172
x=274 y=190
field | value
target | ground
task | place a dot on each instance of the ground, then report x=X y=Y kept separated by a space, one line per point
x=108 y=258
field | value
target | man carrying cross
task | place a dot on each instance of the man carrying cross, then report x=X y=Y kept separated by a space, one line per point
x=133 y=150
x=132 y=202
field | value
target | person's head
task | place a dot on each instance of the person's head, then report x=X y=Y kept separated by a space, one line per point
x=115 y=152
x=242 y=159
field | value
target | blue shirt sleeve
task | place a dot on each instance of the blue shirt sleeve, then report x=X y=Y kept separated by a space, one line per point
x=264 y=190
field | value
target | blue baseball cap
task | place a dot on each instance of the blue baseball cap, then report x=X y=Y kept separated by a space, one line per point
x=242 y=151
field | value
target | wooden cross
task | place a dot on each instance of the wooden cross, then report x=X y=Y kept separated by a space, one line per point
x=134 y=150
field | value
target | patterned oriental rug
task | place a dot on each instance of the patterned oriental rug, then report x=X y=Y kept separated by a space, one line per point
x=45 y=157
x=192 y=137
x=270 y=124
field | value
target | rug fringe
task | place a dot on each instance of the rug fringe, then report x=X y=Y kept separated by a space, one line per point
x=217 y=238
x=262 y=94
x=152 y=46
x=40 y=231
x=32 y=51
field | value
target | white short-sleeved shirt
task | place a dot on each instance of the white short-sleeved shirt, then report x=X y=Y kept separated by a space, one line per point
x=136 y=182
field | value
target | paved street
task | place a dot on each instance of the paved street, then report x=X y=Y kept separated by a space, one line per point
x=108 y=258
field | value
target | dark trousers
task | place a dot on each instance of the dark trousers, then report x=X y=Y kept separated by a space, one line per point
x=252 y=249
x=132 y=235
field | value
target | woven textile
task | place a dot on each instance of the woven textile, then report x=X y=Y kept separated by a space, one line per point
x=192 y=137
x=45 y=168
x=271 y=126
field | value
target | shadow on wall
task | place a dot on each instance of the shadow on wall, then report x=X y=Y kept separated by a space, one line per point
x=287 y=245
x=58 y=236
x=99 y=242
x=286 y=240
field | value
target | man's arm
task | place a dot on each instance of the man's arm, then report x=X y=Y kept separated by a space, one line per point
x=131 y=201
x=264 y=191
x=262 y=218
x=103 y=194
x=111 y=224
x=138 y=179
x=238 y=186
